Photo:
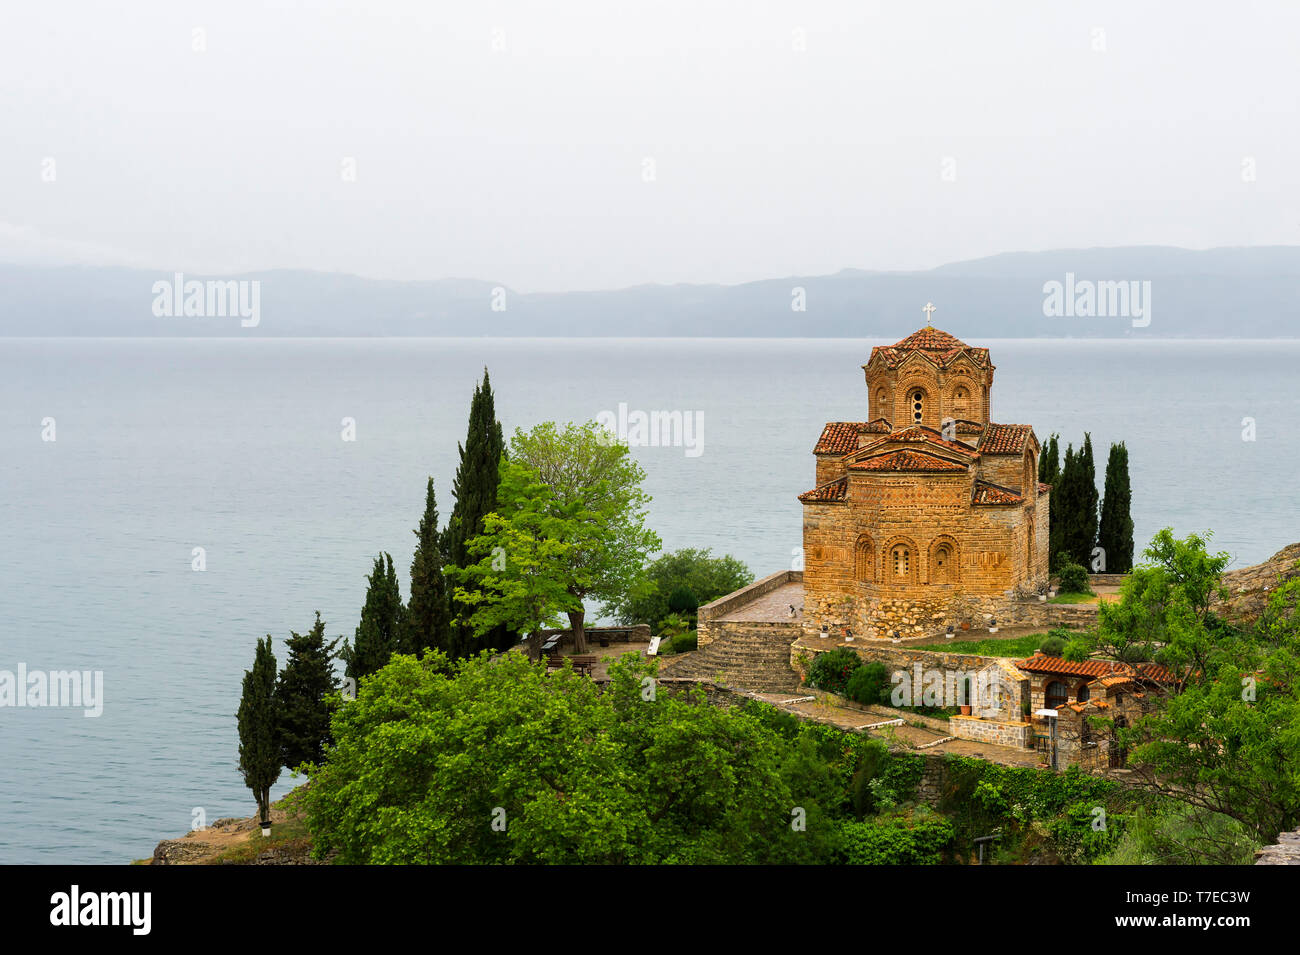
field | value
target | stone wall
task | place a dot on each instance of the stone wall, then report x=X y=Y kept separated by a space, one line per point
x=991 y=731
x=709 y=616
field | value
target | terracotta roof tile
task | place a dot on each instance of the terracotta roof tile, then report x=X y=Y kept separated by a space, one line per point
x=839 y=437
x=830 y=492
x=994 y=494
x=941 y=347
x=920 y=434
x=1152 y=672
x=969 y=427
x=930 y=339
x=906 y=461
x=1005 y=438
x=1043 y=488
x=879 y=426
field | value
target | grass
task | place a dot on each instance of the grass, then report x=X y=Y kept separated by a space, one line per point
x=1017 y=647
x=291 y=834
x=1088 y=598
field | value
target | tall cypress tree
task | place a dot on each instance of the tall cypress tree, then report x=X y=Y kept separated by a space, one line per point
x=1115 y=533
x=428 y=615
x=1049 y=461
x=305 y=683
x=475 y=489
x=1061 y=536
x=379 y=632
x=1088 y=498
x=259 y=728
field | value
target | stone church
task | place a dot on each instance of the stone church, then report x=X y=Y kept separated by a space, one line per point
x=927 y=514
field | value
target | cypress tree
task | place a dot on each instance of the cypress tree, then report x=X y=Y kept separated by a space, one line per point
x=379 y=632
x=1115 y=533
x=1088 y=498
x=305 y=683
x=1049 y=461
x=475 y=490
x=1061 y=535
x=428 y=615
x=259 y=728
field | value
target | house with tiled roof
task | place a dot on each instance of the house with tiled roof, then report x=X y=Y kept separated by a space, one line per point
x=926 y=504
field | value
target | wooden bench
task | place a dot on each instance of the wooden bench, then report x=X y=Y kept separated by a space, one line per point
x=583 y=664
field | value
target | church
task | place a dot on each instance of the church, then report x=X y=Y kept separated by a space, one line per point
x=928 y=514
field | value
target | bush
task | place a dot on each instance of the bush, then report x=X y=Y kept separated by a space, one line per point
x=683 y=601
x=685 y=642
x=918 y=838
x=1052 y=646
x=1077 y=650
x=1074 y=579
x=831 y=671
x=869 y=684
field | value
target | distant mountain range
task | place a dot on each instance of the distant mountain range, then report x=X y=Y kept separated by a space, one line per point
x=1158 y=292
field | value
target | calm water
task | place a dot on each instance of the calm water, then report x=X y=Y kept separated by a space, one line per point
x=234 y=446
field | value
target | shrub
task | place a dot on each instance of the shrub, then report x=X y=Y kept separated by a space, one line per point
x=1052 y=646
x=683 y=600
x=868 y=684
x=685 y=642
x=1074 y=579
x=1077 y=650
x=831 y=671
x=918 y=838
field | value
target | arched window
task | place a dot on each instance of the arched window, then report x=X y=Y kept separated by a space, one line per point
x=864 y=568
x=961 y=403
x=1083 y=694
x=1055 y=695
x=900 y=561
x=943 y=570
x=918 y=405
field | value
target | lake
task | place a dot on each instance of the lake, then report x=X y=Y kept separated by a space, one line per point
x=236 y=446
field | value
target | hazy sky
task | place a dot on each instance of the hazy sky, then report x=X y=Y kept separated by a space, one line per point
x=513 y=142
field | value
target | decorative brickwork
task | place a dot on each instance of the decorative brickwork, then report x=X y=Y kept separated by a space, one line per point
x=939 y=520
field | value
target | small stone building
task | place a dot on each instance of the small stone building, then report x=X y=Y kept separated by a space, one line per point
x=1079 y=693
x=928 y=512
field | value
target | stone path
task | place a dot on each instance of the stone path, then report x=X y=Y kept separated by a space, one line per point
x=853 y=719
x=771 y=607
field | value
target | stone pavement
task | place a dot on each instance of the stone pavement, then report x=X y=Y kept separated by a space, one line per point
x=773 y=607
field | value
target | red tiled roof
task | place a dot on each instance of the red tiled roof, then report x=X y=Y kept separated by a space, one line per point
x=920 y=434
x=930 y=339
x=1043 y=488
x=830 y=492
x=1153 y=672
x=992 y=494
x=906 y=461
x=1080 y=707
x=941 y=347
x=968 y=427
x=839 y=437
x=879 y=426
x=1005 y=438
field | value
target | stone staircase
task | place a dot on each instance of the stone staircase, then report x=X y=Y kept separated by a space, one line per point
x=757 y=660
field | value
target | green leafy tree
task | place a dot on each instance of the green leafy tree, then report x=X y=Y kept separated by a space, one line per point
x=379 y=632
x=428 y=614
x=596 y=489
x=260 y=754
x=1115 y=530
x=1227 y=741
x=521 y=579
x=305 y=685
x=705 y=576
x=498 y=761
x=475 y=491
